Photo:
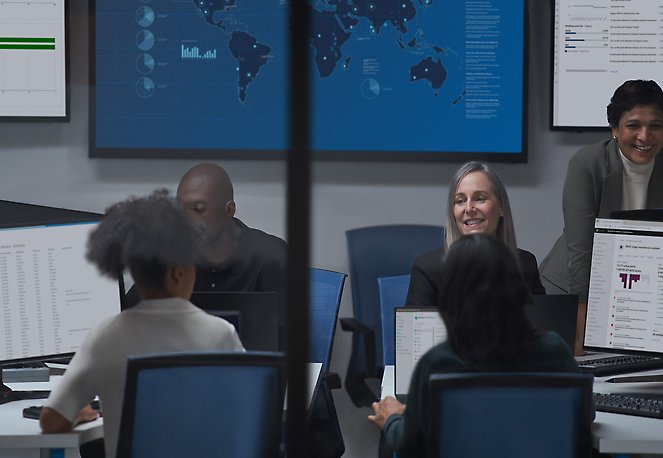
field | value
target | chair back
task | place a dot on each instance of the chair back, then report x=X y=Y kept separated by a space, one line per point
x=547 y=415
x=203 y=404
x=393 y=292
x=383 y=251
x=326 y=288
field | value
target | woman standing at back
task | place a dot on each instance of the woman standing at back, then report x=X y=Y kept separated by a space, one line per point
x=620 y=173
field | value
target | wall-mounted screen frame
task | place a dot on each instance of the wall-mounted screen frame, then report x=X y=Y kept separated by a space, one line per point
x=34 y=60
x=598 y=45
x=408 y=80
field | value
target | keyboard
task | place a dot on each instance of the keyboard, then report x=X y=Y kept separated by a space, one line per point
x=620 y=364
x=640 y=404
x=33 y=412
x=10 y=396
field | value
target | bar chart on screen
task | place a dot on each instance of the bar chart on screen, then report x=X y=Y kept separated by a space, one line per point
x=33 y=79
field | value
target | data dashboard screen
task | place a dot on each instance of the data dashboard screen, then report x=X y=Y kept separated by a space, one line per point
x=416 y=330
x=625 y=304
x=50 y=295
x=598 y=45
x=390 y=78
x=33 y=59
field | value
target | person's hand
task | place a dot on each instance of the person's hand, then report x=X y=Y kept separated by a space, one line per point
x=384 y=409
x=85 y=415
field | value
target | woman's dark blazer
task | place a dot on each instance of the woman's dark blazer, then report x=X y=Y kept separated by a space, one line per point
x=427 y=269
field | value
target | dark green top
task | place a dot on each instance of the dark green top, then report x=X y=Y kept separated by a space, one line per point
x=405 y=434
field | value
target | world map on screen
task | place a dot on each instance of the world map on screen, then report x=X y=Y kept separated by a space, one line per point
x=331 y=28
x=401 y=76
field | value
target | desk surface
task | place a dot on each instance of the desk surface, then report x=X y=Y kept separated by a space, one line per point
x=612 y=433
x=18 y=432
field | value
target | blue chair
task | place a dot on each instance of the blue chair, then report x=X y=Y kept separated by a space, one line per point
x=203 y=404
x=514 y=415
x=374 y=252
x=393 y=292
x=326 y=289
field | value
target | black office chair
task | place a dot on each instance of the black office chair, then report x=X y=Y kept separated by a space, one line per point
x=203 y=404
x=510 y=415
x=374 y=252
x=326 y=288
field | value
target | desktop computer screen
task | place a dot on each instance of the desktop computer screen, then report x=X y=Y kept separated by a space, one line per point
x=254 y=314
x=50 y=295
x=625 y=304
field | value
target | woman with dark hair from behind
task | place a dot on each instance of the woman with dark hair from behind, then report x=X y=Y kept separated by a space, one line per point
x=151 y=237
x=482 y=300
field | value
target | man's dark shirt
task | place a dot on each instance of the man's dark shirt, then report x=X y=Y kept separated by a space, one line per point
x=258 y=264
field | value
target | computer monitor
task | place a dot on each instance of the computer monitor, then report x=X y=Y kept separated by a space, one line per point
x=257 y=314
x=555 y=312
x=50 y=295
x=643 y=214
x=625 y=304
x=416 y=330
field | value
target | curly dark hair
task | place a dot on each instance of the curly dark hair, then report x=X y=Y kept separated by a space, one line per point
x=147 y=235
x=482 y=301
x=631 y=94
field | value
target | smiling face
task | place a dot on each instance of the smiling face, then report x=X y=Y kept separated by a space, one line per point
x=476 y=208
x=640 y=133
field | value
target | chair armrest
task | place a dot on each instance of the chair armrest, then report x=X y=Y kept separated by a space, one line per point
x=368 y=337
x=333 y=380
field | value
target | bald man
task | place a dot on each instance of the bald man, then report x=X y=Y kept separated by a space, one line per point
x=237 y=257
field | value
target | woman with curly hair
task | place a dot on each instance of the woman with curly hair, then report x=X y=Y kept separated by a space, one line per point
x=153 y=239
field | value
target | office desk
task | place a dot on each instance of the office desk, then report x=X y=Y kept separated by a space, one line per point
x=612 y=433
x=22 y=438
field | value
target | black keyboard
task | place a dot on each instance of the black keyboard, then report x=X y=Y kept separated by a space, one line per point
x=33 y=412
x=640 y=404
x=10 y=396
x=620 y=364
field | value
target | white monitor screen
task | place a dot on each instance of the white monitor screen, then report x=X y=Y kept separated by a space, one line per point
x=597 y=46
x=625 y=305
x=50 y=295
x=416 y=331
x=33 y=57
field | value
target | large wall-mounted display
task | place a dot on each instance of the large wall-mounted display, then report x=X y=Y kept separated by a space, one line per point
x=406 y=79
x=597 y=45
x=33 y=60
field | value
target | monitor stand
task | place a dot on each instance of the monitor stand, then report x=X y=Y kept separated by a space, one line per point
x=9 y=395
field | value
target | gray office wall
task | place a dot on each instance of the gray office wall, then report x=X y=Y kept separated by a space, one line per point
x=47 y=163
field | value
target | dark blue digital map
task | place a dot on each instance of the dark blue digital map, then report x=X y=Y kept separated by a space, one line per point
x=332 y=27
x=387 y=75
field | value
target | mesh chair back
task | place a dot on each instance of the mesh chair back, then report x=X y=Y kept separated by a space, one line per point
x=393 y=292
x=547 y=415
x=325 y=299
x=203 y=404
x=383 y=251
